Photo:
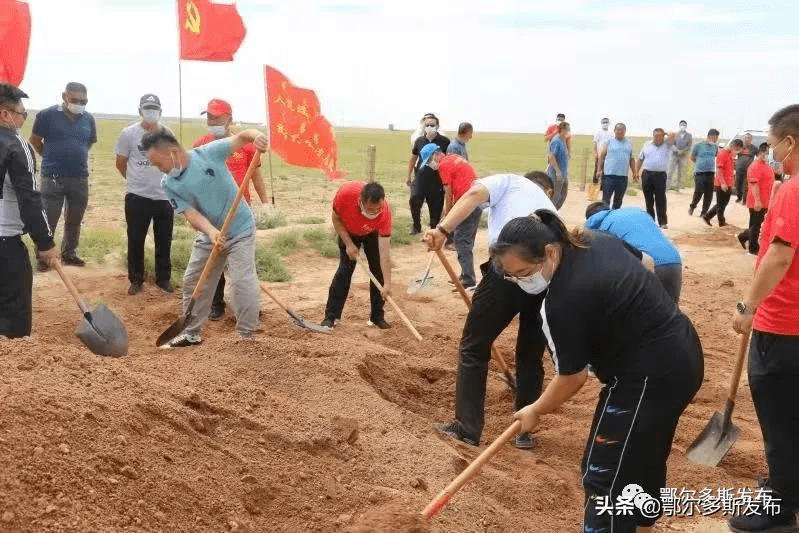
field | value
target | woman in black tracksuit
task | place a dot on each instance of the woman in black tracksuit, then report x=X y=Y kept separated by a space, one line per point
x=603 y=309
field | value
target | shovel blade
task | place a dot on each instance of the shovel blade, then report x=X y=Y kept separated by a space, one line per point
x=318 y=328
x=419 y=285
x=103 y=333
x=713 y=443
x=172 y=331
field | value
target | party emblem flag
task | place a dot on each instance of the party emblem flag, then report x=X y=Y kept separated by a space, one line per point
x=298 y=133
x=15 y=35
x=209 y=31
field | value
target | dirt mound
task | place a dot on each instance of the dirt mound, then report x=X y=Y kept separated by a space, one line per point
x=392 y=519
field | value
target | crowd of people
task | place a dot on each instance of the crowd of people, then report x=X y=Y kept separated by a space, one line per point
x=602 y=298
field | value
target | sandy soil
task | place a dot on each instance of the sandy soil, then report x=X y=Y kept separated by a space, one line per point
x=296 y=431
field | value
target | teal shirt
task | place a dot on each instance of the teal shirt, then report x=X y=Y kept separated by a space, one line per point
x=705 y=154
x=207 y=186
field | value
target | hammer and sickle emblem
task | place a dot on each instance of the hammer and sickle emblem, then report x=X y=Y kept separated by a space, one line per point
x=192 y=17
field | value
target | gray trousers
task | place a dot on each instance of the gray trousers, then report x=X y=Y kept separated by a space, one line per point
x=674 y=174
x=670 y=277
x=71 y=194
x=238 y=257
x=464 y=237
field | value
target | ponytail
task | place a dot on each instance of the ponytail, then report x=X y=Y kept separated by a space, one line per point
x=527 y=237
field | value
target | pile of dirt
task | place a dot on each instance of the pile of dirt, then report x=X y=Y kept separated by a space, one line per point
x=392 y=518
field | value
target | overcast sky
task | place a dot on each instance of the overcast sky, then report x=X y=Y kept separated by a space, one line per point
x=503 y=65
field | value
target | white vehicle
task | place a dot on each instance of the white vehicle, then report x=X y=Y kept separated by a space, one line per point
x=758 y=137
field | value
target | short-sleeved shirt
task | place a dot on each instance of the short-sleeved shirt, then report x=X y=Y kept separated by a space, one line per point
x=207 y=186
x=634 y=226
x=601 y=137
x=142 y=178
x=421 y=142
x=557 y=147
x=760 y=175
x=745 y=158
x=604 y=309
x=66 y=142
x=456 y=146
x=552 y=129
x=655 y=158
x=237 y=163
x=347 y=205
x=779 y=312
x=726 y=168
x=705 y=154
x=456 y=173
x=617 y=159
x=511 y=196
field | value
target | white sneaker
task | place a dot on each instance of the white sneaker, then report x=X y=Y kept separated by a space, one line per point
x=183 y=340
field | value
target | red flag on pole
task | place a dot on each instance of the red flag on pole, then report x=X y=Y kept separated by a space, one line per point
x=298 y=133
x=15 y=36
x=209 y=31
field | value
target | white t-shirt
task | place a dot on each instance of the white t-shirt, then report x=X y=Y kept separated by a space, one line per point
x=601 y=137
x=143 y=178
x=511 y=196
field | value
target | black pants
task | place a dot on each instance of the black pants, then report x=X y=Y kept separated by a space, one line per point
x=426 y=187
x=16 y=288
x=773 y=378
x=139 y=211
x=751 y=235
x=219 y=295
x=741 y=185
x=703 y=190
x=722 y=199
x=653 y=185
x=340 y=287
x=496 y=302
x=613 y=187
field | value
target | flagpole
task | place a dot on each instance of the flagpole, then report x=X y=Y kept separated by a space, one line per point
x=271 y=177
x=269 y=138
x=180 y=99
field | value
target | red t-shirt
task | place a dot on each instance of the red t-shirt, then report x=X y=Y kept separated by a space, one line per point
x=779 y=312
x=551 y=130
x=237 y=163
x=347 y=205
x=456 y=173
x=726 y=168
x=760 y=175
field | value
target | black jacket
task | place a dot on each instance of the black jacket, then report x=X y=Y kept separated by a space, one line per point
x=18 y=164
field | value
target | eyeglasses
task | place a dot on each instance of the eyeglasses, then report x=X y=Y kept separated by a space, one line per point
x=528 y=277
x=23 y=113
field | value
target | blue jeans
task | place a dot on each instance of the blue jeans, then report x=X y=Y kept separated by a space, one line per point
x=615 y=187
x=464 y=237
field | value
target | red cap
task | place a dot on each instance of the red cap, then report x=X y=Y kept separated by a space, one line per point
x=218 y=107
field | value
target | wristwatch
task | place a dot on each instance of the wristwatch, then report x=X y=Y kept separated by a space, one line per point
x=442 y=230
x=743 y=308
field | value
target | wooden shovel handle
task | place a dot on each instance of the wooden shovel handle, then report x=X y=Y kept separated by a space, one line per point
x=440 y=501
x=58 y=267
x=231 y=214
x=743 y=349
x=390 y=301
x=277 y=300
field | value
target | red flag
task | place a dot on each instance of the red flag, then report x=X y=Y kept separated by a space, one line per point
x=209 y=31
x=15 y=34
x=298 y=133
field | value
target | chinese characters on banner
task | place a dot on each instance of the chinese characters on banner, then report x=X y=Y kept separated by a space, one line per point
x=298 y=133
x=209 y=31
x=15 y=34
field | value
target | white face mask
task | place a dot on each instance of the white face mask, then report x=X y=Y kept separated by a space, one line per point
x=682 y=129
x=430 y=129
x=176 y=170
x=216 y=131
x=605 y=126
x=532 y=284
x=367 y=215
x=433 y=163
x=150 y=116
x=76 y=109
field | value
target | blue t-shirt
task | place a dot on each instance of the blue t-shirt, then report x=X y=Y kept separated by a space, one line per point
x=66 y=143
x=617 y=160
x=634 y=226
x=557 y=147
x=457 y=147
x=705 y=154
x=207 y=186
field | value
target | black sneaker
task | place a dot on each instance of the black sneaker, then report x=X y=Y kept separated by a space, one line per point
x=328 y=322
x=785 y=522
x=690 y=211
x=217 y=312
x=743 y=240
x=135 y=288
x=707 y=220
x=414 y=230
x=184 y=340
x=166 y=286
x=453 y=429
x=722 y=224
x=73 y=260
x=41 y=266
x=380 y=323
x=524 y=441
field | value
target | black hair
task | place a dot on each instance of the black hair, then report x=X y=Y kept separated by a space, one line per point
x=541 y=179
x=10 y=95
x=763 y=148
x=431 y=115
x=737 y=143
x=75 y=87
x=527 y=237
x=560 y=115
x=661 y=130
x=158 y=139
x=713 y=132
x=622 y=124
x=563 y=125
x=372 y=192
x=595 y=208
x=785 y=121
x=683 y=122
x=464 y=128
x=605 y=119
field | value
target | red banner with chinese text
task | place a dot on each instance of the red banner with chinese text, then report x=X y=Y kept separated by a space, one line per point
x=209 y=31
x=298 y=133
x=15 y=34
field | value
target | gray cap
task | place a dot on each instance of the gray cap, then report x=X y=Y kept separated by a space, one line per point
x=150 y=100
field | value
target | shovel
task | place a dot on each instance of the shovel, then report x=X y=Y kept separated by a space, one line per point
x=298 y=319
x=720 y=434
x=443 y=498
x=507 y=376
x=390 y=301
x=180 y=324
x=100 y=329
x=423 y=282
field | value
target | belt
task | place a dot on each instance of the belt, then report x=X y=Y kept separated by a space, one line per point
x=13 y=238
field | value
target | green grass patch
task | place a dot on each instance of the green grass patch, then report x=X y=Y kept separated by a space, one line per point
x=323 y=241
x=96 y=244
x=312 y=220
x=285 y=243
x=270 y=221
x=400 y=231
x=269 y=265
